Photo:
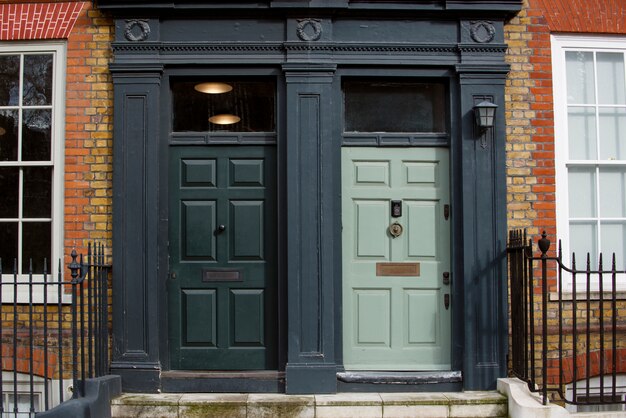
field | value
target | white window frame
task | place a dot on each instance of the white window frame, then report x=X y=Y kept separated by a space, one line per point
x=594 y=390
x=561 y=44
x=23 y=388
x=57 y=158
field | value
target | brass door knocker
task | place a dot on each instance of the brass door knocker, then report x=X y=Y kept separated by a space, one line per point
x=395 y=229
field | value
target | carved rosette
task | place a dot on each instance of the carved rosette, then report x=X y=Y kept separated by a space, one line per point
x=136 y=30
x=309 y=30
x=482 y=31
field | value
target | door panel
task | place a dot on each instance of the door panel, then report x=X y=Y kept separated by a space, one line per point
x=222 y=286
x=393 y=291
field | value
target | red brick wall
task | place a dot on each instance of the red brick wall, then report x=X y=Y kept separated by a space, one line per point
x=530 y=154
x=89 y=106
x=88 y=140
x=582 y=16
x=529 y=108
x=88 y=131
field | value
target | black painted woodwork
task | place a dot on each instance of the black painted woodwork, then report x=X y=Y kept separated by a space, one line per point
x=309 y=47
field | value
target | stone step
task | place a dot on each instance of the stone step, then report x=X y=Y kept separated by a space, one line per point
x=357 y=405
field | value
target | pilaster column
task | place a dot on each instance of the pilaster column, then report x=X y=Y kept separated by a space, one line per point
x=310 y=284
x=136 y=313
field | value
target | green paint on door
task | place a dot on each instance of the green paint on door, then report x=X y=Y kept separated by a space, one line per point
x=395 y=322
x=222 y=287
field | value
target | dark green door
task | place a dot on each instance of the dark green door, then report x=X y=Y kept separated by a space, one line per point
x=222 y=285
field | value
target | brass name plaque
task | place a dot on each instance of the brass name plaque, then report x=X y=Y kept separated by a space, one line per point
x=398 y=269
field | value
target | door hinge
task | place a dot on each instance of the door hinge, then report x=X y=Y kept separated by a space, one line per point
x=446 y=211
x=446 y=277
x=446 y=301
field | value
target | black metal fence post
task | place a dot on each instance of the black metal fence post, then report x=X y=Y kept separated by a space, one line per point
x=74 y=268
x=581 y=328
x=544 y=246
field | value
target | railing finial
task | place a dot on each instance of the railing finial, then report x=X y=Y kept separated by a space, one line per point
x=74 y=266
x=544 y=244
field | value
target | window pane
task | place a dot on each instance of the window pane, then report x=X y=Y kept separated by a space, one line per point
x=613 y=134
x=579 y=75
x=583 y=240
x=611 y=78
x=37 y=192
x=37 y=80
x=613 y=241
x=9 y=189
x=8 y=135
x=581 y=123
x=582 y=192
x=8 y=245
x=372 y=106
x=23 y=404
x=36 y=134
x=254 y=102
x=613 y=192
x=9 y=80
x=36 y=238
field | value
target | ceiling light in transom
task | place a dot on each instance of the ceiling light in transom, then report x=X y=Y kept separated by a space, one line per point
x=224 y=119
x=213 y=88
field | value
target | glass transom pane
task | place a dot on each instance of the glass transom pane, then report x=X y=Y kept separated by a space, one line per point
x=580 y=77
x=583 y=241
x=8 y=134
x=582 y=192
x=611 y=78
x=613 y=133
x=36 y=134
x=38 y=80
x=36 y=246
x=613 y=241
x=376 y=106
x=9 y=80
x=250 y=105
x=582 y=133
x=613 y=192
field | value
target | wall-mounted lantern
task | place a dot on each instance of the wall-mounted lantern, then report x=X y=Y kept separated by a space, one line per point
x=485 y=113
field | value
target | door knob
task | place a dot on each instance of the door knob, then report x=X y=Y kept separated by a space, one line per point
x=221 y=229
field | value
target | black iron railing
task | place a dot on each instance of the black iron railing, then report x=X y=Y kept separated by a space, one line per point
x=565 y=324
x=53 y=329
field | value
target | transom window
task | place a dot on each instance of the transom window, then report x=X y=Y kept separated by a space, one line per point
x=590 y=134
x=31 y=111
x=224 y=105
x=394 y=106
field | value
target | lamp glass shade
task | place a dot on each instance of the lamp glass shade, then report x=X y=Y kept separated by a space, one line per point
x=485 y=113
x=224 y=119
x=213 y=88
x=2 y=131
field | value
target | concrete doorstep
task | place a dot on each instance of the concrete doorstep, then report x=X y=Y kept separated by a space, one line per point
x=357 y=405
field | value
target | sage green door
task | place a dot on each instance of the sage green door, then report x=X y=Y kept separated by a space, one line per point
x=396 y=314
x=222 y=284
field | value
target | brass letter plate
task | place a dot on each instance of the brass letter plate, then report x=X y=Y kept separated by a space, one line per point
x=398 y=269
x=221 y=275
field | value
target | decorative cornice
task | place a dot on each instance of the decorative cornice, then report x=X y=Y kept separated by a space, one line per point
x=279 y=48
x=482 y=49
